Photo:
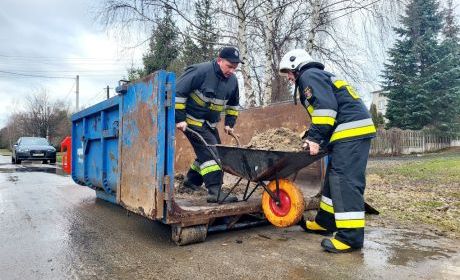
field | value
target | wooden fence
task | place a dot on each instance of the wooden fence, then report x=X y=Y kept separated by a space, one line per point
x=396 y=142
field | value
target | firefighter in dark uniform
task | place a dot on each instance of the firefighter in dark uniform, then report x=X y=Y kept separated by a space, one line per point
x=341 y=123
x=203 y=92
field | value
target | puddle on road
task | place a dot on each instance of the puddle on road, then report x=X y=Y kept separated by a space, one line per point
x=402 y=248
x=10 y=168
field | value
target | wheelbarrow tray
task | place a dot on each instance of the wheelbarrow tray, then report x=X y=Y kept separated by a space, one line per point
x=263 y=165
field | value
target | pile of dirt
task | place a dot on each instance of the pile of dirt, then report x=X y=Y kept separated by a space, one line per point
x=276 y=139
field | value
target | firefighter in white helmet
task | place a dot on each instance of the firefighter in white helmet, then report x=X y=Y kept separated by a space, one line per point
x=340 y=123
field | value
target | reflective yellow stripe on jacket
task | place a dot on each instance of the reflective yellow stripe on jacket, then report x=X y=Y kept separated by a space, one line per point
x=350 y=89
x=180 y=103
x=231 y=110
x=309 y=109
x=198 y=99
x=194 y=121
x=214 y=103
x=353 y=129
x=323 y=116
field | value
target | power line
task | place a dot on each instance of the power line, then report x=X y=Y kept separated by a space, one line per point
x=8 y=74
x=97 y=94
x=69 y=58
x=70 y=91
x=35 y=76
x=111 y=70
x=95 y=98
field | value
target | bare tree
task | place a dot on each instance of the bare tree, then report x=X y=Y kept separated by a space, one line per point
x=242 y=7
x=144 y=15
x=344 y=33
x=333 y=32
x=277 y=26
x=265 y=29
x=41 y=117
x=38 y=109
x=268 y=46
x=316 y=20
x=14 y=129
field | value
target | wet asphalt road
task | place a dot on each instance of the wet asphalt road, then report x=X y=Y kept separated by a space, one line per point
x=51 y=228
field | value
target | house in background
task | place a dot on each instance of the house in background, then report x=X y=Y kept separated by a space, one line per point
x=380 y=101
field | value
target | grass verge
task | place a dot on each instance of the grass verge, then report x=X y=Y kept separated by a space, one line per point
x=417 y=191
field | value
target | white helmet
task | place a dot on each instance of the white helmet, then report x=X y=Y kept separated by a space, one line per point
x=293 y=60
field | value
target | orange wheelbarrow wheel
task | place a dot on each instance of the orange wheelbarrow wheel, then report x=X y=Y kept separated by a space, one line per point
x=289 y=210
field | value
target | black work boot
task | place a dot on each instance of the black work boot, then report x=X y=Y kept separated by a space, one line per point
x=213 y=192
x=333 y=245
x=190 y=186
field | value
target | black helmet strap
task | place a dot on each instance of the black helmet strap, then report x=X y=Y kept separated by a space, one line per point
x=295 y=93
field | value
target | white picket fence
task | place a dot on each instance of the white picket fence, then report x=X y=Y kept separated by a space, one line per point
x=396 y=142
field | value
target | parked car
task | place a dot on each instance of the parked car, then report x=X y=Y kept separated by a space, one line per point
x=33 y=148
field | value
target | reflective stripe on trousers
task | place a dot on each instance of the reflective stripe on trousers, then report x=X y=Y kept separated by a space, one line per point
x=353 y=129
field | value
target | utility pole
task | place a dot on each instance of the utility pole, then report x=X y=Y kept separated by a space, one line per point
x=108 y=94
x=77 y=93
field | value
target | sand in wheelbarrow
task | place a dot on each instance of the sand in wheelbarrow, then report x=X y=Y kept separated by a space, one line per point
x=276 y=139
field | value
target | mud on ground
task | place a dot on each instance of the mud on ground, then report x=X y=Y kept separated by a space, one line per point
x=418 y=190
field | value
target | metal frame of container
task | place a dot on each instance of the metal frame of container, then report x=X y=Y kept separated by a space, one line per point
x=123 y=148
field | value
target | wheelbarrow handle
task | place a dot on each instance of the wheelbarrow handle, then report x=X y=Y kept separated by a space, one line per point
x=197 y=135
x=236 y=138
x=211 y=151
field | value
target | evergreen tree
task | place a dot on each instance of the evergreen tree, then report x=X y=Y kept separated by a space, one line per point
x=199 y=43
x=451 y=30
x=135 y=73
x=448 y=76
x=205 y=34
x=445 y=81
x=164 y=46
x=409 y=74
x=377 y=117
x=191 y=53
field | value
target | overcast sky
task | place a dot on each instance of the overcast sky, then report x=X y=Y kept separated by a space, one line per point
x=60 y=38
x=57 y=39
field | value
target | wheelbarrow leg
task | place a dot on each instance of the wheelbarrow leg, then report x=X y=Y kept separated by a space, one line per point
x=270 y=193
x=229 y=192
x=249 y=195
x=277 y=189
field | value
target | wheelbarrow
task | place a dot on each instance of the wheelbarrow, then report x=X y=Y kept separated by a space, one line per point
x=282 y=201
